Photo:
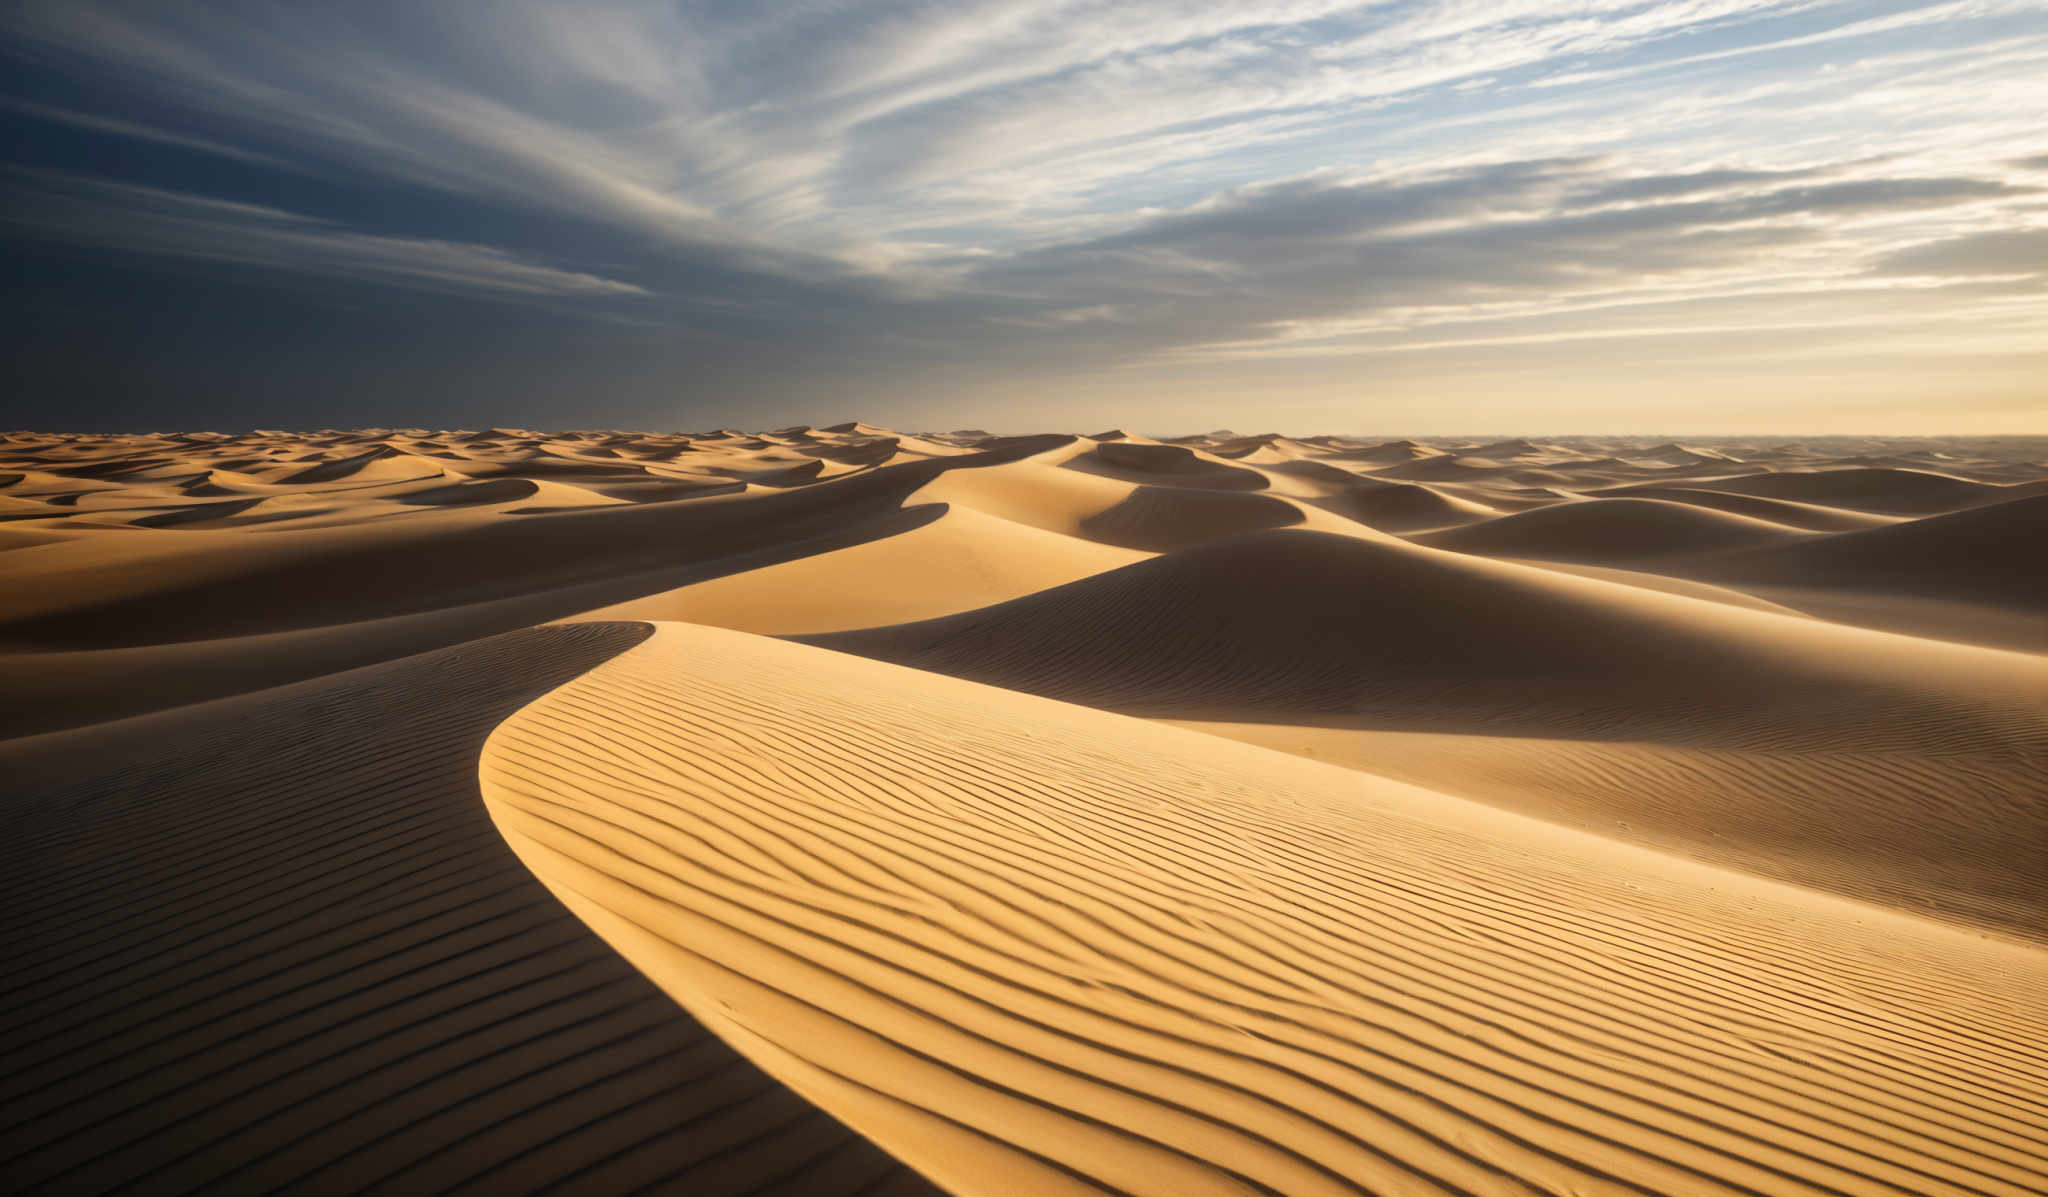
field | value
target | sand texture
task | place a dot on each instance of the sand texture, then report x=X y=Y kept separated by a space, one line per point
x=274 y=942
x=1032 y=947
x=845 y=810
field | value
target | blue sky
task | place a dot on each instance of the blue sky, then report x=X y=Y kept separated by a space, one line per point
x=1417 y=216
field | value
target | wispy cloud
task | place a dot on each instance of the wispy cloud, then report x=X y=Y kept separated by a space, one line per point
x=1065 y=185
x=2019 y=253
x=149 y=220
x=1308 y=260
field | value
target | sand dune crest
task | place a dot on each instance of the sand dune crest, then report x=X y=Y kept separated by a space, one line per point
x=275 y=943
x=1122 y=957
x=1612 y=530
x=1825 y=754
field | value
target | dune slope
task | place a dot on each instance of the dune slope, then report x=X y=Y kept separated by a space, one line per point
x=1883 y=766
x=1406 y=507
x=1812 y=517
x=1610 y=531
x=1985 y=554
x=275 y=942
x=1885 y=490
x=960 y=560
x=1161 y=518
x=1030 y=947
x=96 y=593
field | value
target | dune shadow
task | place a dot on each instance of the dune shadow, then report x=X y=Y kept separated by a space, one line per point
x=277 y=942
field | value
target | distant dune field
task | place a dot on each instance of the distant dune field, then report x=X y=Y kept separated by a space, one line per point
x=838 y=810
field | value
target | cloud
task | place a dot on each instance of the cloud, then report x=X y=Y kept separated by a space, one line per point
x=1318 y=209
x=800 y=139
x=1882 y=194
x=2000 y=252
x=946 y=189
x=1315 y=262
x=1649 y=188
x=149 y=220
x=143 y=132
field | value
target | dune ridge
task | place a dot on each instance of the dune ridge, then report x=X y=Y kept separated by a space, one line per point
x=1609 y=531
x=276 y=942
x=1976 y=555
x=1811 y=517
x=1122 y=957
x=1887 y=767
x=1883 y=489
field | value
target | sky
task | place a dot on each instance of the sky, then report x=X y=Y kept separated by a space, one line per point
x=1410 y=216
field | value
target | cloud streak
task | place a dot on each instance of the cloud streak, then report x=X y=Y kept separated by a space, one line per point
x=147 y=220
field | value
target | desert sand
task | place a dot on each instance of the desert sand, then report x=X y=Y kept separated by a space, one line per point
x=846 y=810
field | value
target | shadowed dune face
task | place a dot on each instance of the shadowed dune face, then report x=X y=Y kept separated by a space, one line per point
x=166 y=598
x=1314 y=622
x=287 y=531
x=949 y=559
x=1407 y=507
x=275 y=942
x=374 y=566
x=1177 y=465
x=1033 y=948
x=1811 y=517
x=1887 y=491
x=1880 y=766
x=1612 y=531
x=1163 y=518
x=1982 y=554
x=461 y=494
x=196 y=513
x=1446 y=468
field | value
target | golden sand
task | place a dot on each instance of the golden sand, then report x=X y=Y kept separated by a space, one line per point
x=1023 y=814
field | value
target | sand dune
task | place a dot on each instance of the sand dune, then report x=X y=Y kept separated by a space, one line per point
x=197 y=513
x=1032 y=948
x=93 y=594
x=1179 y=464
x=1034 y=492
x=1605 y=531
x=1159 y=518
x=1519 y=447
x=383 y=463
x=1444 y=468
x=1480 y=814
x=276 y=942
x=1408 y=507
x=1887 y=490
x=1806 y=734
x=1811 y=517
x=1293 y=620
x=1388 y=452
x=462 y=494
x=1665 y=583
x=957 y=560
x=1976 y=555
x=110 y=626
x=1323 y=476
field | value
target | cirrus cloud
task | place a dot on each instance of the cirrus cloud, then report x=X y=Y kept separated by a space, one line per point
x=908 y=196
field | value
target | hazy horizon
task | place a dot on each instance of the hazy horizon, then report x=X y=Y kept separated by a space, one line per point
x=1723 y=217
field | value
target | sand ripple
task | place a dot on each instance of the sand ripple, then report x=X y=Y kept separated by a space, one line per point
x=1032 y=947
